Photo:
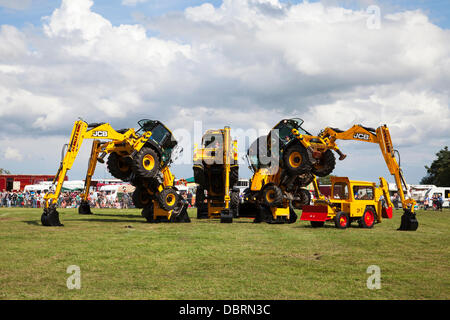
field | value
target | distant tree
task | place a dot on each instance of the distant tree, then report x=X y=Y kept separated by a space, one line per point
x=439 y=171
x=4 y=171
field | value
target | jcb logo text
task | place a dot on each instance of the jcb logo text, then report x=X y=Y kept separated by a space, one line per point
x=100 y=134
x=361 y=136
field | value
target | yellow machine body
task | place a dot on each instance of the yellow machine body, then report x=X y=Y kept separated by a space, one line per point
x=216 y=161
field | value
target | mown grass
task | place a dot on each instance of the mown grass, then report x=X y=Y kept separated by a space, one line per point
x=122 y=257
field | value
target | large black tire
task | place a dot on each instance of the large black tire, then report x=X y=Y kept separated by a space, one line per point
x=305 y=199
x=146 y=163
x=199 y=196
x=119 y=167
x=141 y=198
x=367 y=221
x=168 y=199
x=199 y=176
x=342 y=220
x=234 y=203
x=326 y=164
x=272 y=196
x=234 y=176
x=147 y=213
x=296 y=160
x=202 y=211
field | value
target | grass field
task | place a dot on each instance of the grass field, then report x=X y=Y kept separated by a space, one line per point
x=122 y=257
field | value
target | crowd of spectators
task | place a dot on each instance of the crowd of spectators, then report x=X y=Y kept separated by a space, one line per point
x=20 y=199
x=32 y=199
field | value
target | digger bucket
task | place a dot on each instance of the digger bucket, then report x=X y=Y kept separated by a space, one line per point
x=84 y=208
x=409 y=221
x=181 y=215
x=50 y=217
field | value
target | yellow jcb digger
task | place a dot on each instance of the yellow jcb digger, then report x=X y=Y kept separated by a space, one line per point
x=216 y=171
x=141 y=157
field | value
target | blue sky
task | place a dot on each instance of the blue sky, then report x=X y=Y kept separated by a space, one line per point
x=437 y=10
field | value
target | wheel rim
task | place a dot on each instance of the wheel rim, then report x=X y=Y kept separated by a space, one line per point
x=295 y=159
x=148 y=162
x=343 y=221
x=170 y=199
x=369 y=218
x=270 y=196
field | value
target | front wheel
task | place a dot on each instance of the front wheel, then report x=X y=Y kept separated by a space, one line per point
x=168 y=199
x=296 y=160
x=272 y=196
x=368 y=219
x=342 y=220
x=146 y=163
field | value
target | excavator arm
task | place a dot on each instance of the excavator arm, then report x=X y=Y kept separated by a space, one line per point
x=81 y=131
x=382 y=137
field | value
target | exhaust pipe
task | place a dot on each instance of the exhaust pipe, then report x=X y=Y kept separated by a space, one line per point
x=409 y=221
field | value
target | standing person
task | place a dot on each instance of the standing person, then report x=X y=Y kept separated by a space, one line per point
x=426 y=202
x=8 y=199
x=125 y=198
x=2 y=197
x=440 y=202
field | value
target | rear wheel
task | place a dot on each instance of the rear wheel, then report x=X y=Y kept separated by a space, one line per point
x=326 y=164
x=296 y=160
x=146 y=163
x=368 y=219
x=199 y=196
x=119 y=167
x=342 y=220
x=141 y=198
x=272 y=196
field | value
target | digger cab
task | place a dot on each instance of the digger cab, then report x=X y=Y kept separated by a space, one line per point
x=161 y=138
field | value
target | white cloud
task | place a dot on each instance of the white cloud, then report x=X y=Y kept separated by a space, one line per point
x=12 y=154
x=247 y=63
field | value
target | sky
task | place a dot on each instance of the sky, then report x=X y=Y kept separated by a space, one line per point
x=242 y=63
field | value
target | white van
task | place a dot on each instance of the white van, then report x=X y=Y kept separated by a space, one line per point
x=440 y=191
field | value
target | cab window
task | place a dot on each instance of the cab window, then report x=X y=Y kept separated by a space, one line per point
x=363 y=193
x=340 y=191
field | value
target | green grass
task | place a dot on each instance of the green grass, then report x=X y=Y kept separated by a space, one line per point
x=122 y=257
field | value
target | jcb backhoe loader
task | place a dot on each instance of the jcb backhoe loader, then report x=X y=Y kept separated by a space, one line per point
x=141 y=157
x=216 y=171
x=382 y=137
